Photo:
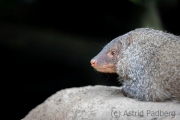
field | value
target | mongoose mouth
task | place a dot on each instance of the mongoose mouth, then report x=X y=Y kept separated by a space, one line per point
x=106 y=69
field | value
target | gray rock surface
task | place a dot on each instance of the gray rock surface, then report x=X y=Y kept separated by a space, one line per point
x=101 y=103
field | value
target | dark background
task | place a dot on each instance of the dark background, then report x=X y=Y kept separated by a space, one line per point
x=46 y=45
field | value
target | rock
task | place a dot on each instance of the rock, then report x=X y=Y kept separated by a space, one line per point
x=101 y=103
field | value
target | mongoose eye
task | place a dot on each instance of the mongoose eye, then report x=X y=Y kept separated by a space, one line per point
x=113 y=52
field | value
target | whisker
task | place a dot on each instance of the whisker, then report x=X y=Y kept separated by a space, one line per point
x=107 y=76
x=98 y=44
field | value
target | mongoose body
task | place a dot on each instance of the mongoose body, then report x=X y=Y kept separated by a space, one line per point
x=147 y=61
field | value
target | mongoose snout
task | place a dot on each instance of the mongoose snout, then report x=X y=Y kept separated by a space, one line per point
x=93 y=63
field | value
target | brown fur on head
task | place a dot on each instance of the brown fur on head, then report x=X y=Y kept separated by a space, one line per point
x=106 y=60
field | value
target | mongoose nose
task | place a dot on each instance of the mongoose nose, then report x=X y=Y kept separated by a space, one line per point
x=93 y=62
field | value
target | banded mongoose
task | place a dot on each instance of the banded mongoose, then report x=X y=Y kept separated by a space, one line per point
x=147 y=60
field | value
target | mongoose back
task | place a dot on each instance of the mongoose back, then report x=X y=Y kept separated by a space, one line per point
x=147 y=61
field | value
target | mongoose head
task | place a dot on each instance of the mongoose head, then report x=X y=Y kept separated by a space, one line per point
x=106 y=61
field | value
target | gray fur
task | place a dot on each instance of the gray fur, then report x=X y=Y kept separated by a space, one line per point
x=148 y=61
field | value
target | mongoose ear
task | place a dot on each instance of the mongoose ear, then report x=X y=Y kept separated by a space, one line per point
x=127 y=41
